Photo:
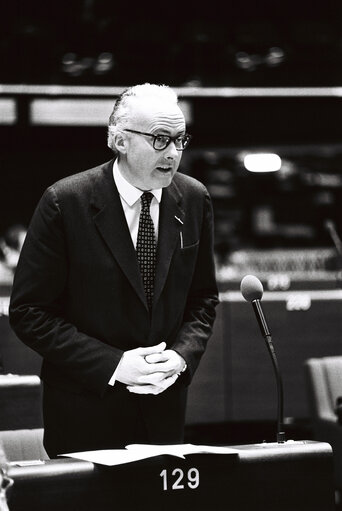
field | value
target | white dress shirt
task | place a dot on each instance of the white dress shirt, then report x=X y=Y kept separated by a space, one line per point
x=130 y=200
x=131 y=204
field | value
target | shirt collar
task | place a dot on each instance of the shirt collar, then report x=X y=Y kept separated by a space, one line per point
x=128 y=192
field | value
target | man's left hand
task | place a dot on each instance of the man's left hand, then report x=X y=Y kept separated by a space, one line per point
x=170 y=362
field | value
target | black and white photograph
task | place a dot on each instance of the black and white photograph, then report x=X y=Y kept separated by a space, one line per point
x=171 y=255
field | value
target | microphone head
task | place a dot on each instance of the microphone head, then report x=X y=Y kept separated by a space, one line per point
x=251 y=288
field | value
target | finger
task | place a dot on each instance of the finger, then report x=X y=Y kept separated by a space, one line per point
x=152 y=349
x=154 y=378
x=162 y=383
x=162 y=367
x=169 y=366
x=156 y=357
x=169 y=381
x=144 y=389
x=153 y=389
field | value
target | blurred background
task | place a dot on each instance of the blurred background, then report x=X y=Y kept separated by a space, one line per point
x=260 y=84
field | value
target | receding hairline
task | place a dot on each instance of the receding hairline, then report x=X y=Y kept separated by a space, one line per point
x=142 y=107
x=150 y=89
x=146 y=90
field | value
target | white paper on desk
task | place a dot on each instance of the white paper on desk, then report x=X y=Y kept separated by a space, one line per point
x=110 y=457
x=182 y=450
x=136 y=452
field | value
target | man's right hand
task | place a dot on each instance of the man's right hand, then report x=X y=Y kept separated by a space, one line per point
x=135 y=371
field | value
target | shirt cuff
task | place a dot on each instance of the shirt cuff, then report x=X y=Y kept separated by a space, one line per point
x=113 y=378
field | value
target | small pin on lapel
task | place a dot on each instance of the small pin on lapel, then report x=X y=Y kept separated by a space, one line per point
x=179 y=220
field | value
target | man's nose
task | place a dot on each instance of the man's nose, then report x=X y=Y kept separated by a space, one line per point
x=171 y=150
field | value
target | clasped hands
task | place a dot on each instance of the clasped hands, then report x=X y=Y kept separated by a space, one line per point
x=149 y=370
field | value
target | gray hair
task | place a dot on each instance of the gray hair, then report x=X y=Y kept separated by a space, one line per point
x=120 y=114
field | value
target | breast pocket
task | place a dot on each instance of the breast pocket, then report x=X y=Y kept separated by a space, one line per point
x=187 y=259
x=181 y=273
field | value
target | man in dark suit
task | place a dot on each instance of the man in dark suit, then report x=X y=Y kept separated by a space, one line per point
x=121 y=333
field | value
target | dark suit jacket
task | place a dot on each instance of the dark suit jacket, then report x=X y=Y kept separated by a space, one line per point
x=78 y=298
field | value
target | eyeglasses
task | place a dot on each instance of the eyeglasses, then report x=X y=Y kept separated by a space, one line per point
x=160 y=142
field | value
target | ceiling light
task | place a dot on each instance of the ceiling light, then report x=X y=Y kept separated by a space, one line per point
x=262 y=162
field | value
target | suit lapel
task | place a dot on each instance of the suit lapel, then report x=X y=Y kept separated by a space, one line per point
x=169 y=234
x=111 y=222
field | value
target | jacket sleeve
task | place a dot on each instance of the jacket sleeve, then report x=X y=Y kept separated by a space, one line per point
x=202 y=299
x=37 y=314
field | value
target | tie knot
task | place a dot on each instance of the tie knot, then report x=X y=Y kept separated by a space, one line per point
x=146 y=199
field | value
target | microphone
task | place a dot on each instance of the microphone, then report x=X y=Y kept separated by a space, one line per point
x=252 y=291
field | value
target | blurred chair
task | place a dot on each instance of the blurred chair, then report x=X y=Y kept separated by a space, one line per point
x=23 y=444
x=20 y=402
x=324 y=385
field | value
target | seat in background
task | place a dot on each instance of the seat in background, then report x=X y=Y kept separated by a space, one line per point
x=23 y=444
x=324 y=386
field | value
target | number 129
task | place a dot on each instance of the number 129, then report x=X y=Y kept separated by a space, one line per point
x=178 y=477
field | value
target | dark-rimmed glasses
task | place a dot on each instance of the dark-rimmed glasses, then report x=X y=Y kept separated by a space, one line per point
x=160 y=142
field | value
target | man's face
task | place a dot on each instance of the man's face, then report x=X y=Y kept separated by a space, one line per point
x=143 y=166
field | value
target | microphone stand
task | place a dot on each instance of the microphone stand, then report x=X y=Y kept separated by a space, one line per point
x=330 y=226
x=280 y=392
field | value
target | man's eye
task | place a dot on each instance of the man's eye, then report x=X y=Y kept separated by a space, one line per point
x=162 y=138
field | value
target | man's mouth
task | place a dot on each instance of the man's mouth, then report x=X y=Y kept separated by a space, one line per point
x=164 y=170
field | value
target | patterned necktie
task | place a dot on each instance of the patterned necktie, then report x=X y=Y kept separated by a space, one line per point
x=146 y=247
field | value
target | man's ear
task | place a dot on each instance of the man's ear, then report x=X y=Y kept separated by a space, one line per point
x=120 y=142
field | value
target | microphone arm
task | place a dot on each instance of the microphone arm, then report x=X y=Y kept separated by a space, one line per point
x=330 y=226
x=280 y=392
